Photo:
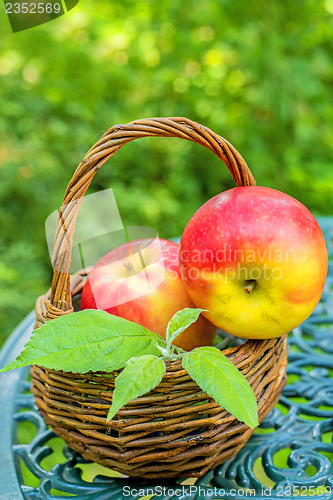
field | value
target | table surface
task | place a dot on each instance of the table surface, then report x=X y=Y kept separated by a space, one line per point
x=289 y=455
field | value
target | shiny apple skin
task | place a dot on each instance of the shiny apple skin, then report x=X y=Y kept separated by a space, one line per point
x=254 y=232
x=107 y=286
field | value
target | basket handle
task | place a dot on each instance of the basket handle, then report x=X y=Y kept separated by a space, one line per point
x=60 y=298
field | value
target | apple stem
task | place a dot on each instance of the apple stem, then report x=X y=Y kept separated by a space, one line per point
x=130 y=268
x=250 y=286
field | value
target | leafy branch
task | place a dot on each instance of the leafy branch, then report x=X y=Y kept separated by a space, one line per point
x=94 y=340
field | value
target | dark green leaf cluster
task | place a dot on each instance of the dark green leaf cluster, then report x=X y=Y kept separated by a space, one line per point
x=259 y=73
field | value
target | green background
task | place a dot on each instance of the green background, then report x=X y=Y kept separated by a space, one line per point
x=258 y=73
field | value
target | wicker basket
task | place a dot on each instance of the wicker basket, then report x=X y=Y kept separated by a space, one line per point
x=176 y=429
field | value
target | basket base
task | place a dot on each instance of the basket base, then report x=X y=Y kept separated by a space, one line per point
x=204 y=464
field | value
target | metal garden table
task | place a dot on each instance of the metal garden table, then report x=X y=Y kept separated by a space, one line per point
x=289 y=455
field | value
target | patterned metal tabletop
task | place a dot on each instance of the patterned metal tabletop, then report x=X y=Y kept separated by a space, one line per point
x=289 y=455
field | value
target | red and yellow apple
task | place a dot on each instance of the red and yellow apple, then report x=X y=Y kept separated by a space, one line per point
x=256 y=260
x=140 y=281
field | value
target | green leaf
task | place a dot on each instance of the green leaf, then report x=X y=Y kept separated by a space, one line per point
x=88 y=340
x=180 y=321
x=139 y=376
x=217 y=376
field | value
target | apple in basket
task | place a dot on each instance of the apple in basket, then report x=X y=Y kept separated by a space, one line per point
x=140 y=281
x=255 y=259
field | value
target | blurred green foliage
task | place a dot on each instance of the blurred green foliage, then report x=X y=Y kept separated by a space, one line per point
x=259 y=73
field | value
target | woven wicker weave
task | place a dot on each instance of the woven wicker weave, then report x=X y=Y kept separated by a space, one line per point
x=176 y=429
